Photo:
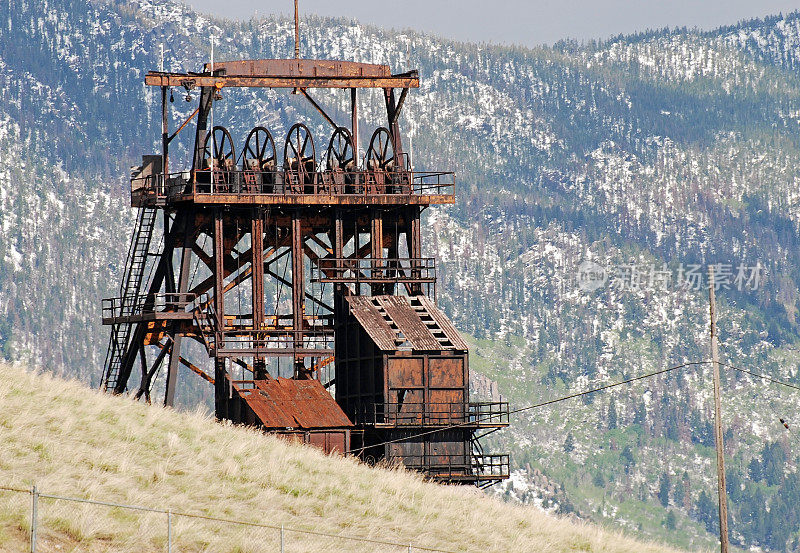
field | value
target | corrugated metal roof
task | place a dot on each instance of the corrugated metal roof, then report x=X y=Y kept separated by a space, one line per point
x=373 y=322
x=403 y=322
x=444 y=323
x=287 y=403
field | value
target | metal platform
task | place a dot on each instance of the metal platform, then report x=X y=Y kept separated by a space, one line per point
x=239 y=187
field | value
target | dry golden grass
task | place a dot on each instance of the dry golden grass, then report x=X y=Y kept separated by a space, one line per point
x=73 y=441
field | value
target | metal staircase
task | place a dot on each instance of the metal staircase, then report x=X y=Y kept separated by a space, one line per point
x=130 y=298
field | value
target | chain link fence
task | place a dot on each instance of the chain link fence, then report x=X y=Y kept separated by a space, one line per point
x=54 y=522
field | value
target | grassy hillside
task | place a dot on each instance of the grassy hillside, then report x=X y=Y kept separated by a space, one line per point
x=73 y=441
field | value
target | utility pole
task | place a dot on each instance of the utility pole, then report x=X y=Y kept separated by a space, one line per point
x=296 y=31
x=718 y=439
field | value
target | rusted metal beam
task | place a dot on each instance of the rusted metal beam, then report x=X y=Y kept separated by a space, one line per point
x=164 y=131
x=219 y=266
x=299 y=67
x=183 y=288
x=183 y=125
x=354 y=123
x=194 y=368
x=399 y=106
x=319 y=108
x=298 y=288
x=257 y=266
x=405 y=80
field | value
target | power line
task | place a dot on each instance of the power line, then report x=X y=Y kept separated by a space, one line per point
x=537 y=405
x=764 y=376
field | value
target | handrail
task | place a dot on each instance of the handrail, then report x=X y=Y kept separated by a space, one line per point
x=286 y=183
x=408 y=413
x=455 y=466
x=357 y=270
x=128 y=306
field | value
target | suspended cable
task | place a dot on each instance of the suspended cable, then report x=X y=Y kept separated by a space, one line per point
x=764 y=376
x=537 y=405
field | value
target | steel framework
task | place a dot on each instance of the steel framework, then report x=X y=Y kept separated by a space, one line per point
x=296 y=237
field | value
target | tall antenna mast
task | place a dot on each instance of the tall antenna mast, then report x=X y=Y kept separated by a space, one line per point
x=296 y=31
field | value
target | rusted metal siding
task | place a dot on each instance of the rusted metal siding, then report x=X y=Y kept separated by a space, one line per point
x=329 y=440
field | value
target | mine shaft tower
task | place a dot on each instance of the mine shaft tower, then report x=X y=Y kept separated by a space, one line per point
x=327 y=253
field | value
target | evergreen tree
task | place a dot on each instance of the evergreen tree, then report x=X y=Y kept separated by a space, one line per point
x=640 y=413
x=569 y=443
x=671 y=522
x=774 y=463
x=678 y=493
x=627 y=458
x=612 y=414
x=706 y=512
x=754 y=470
x=663 y=489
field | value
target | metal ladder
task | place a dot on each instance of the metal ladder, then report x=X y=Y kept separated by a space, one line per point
x=130 y=300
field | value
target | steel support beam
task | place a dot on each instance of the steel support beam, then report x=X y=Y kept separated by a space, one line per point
x=183 y=288
x=298 y=291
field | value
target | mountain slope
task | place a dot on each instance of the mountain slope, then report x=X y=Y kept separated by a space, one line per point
x=649 y=155
x=72 y=441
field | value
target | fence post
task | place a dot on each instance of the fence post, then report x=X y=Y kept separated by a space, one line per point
x=281 y=538
x=169 y=530
x=34 y=516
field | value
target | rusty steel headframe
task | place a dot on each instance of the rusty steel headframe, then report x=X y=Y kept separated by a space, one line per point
x=327 y=252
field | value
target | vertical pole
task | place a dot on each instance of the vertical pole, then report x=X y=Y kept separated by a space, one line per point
x=338 y=244
x=34 y=516
x=354 y=124
x=718 y=438
x=169 y=531
x=394 y=124
x=296 y=31
x=281 y=538
x=211 y=104
x=257 y=289
x=164 y=138
x=376 y=247
x=414 y=242
x=219 y=270
x=298 y=291
x=183 y=288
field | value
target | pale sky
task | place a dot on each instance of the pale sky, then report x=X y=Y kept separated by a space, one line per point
x=529 y=23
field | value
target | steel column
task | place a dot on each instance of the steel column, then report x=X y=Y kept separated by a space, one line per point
x=394 y=125
x=414 y=241
x=354 y=123
x=376 y=246
x=298 y=291
x=219 y=268
x=257 y=277
x=183 y=288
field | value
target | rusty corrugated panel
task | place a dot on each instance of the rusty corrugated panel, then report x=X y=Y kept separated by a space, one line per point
x=373 y=322
x=435 y=333
x=286 y=403
x=443 y=322
x=409 y=323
